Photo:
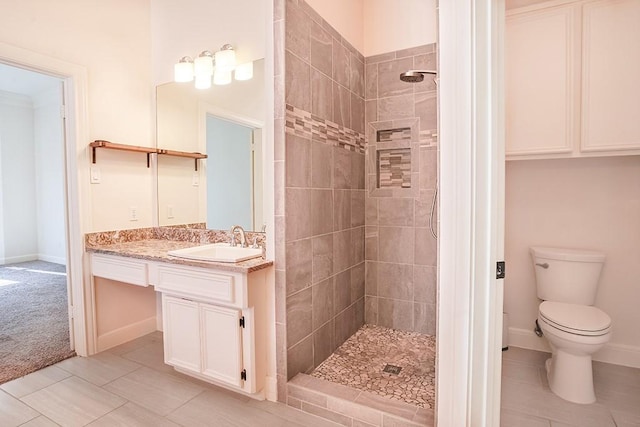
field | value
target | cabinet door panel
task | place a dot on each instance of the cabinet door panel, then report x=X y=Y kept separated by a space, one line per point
x=610 y=75
x=222 y=344
x=181 y=323
x=539 y=82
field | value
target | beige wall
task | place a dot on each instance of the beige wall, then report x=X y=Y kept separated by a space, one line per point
x=380 y=26
x=583 y=203
x=112 y=40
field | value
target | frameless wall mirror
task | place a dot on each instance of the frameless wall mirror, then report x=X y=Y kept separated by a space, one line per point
x=225 y=122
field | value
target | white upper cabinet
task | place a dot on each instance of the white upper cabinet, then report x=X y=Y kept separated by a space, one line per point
x=611 y=75
x=572 y=86
x=540 y=83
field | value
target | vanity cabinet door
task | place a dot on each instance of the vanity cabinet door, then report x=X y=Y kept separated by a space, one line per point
x=221 y=344
x=181 y=333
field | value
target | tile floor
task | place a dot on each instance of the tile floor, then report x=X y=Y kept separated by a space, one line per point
x=359 y=363
x=131 y=386
x=527 y=400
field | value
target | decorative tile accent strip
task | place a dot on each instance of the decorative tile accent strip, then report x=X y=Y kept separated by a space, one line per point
x=303 y=123
x=394 y=168
x=388 y=135
x=429 y=137
x=359 y=363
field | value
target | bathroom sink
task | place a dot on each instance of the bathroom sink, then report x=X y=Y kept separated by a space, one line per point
x=218 y=252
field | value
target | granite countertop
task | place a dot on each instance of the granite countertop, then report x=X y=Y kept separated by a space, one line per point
x=156 y=250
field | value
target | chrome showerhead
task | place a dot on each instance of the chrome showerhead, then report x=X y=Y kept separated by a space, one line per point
x=415 y=76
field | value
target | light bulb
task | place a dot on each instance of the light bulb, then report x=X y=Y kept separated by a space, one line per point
x=183 y=70
x=221 y=77
x=225 y=58
x=203 y=64
x=244 y=71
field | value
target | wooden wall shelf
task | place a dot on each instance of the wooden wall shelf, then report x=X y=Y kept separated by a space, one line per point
x=148 y=150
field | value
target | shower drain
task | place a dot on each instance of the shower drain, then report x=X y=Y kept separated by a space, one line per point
x=392 y=369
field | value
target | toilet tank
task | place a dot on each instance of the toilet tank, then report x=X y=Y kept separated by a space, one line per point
x=567 y=275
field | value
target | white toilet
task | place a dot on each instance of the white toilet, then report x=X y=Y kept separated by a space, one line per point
x=567 y=282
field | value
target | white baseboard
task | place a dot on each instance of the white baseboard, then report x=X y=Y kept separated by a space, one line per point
x=52 y=258
x=21 y=258
x=271 y=389
x=617 y=354
x=126 y=333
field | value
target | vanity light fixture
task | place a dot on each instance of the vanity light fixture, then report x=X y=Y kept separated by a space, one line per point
x=219 y=65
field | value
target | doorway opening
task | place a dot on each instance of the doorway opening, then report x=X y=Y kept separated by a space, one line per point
x=35 y=323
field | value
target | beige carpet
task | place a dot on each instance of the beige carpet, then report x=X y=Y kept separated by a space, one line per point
x=34 y=325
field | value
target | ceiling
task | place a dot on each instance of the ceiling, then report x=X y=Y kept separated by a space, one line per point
x=25 y=82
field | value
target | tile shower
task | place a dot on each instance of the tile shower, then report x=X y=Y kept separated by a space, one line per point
x=355 y=173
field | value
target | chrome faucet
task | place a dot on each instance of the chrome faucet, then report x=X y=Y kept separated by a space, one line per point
x=243 y=239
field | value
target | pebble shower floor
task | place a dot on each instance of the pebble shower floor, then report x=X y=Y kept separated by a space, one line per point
x=360 y=361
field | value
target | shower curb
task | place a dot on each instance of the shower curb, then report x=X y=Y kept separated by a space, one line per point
x=350 y=407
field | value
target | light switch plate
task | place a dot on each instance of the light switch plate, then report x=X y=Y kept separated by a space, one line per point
x=95 y=175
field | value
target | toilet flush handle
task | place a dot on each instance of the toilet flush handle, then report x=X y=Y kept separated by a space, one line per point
x=544 y=265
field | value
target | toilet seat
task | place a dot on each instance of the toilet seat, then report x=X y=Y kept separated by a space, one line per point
x=575 y=319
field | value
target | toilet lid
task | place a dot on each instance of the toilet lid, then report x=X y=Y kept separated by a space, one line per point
x=574 y=318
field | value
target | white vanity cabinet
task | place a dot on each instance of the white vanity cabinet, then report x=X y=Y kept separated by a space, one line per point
x=214 y=324
x=215 y=320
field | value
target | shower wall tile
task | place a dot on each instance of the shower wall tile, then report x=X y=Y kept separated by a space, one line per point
x=297 y=31
x=357 y=113
x=342 y=212
x=371 y=81
x=341 y=64
x=298 y=213
x=299 y=258
x=300 y=357
x=425 y=284
x=426 y=252
x=299 y=316
x=281 y=296
x=357 y=207
x=321 y=211
x=371 y=278
x=321 y=165
x=321 y=185
x=323 y=303
x=321 y=49
x=297 y=82
x=395 y=281
x=371 y=310
x=401 y=255
x=322 y=250
x=425 y=318
x=323 y=342
x=426 y=62
x=298 y=153
x=356 y=82
x=396 y=211
x=427 y=110
x=395 y=314
x=357 y=282
x=341 y=168
x=342 y=291
x=389 y=83
x=396 y=244
x=396 y=107
x=358 y=171
x=321 y=95
x=341 y=105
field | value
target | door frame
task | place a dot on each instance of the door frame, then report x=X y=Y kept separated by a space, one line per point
x=471 y=123
x=74 y=79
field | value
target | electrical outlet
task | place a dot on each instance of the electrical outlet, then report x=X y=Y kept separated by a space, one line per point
x=95 y=175
x=169 y=211
x=196 y=179
x=133 y=213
